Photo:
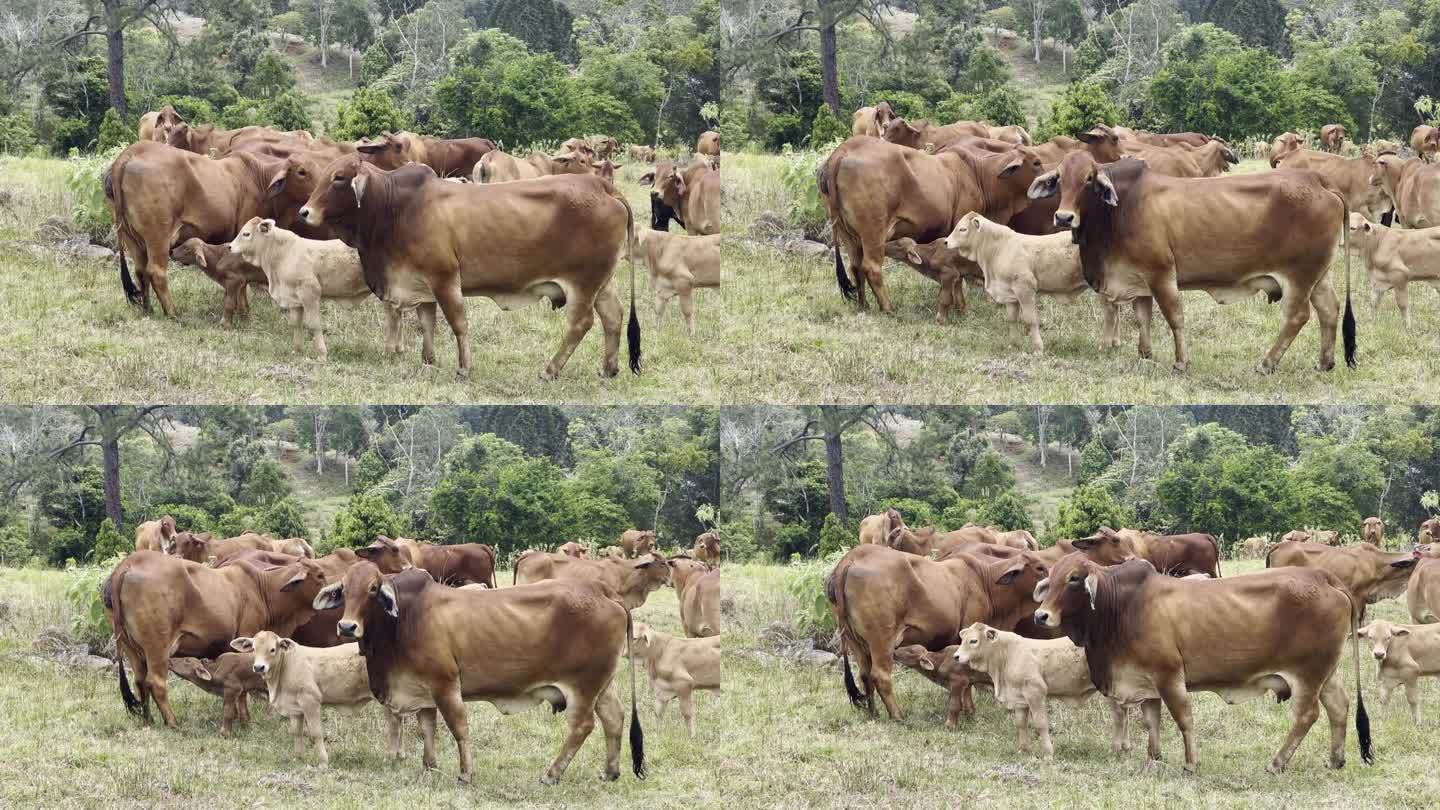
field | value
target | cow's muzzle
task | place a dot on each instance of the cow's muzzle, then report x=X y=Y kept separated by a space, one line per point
x=310 y=216
x=1379 y=655
x=260 y=668
x=1066 y=219
x=1045 y=618
x=347 y=629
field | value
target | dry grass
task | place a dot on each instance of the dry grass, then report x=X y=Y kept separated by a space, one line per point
x=70 y=336
x=802 y=342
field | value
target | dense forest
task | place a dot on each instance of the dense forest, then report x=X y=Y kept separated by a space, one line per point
x=77 y=74
x=796 y=481
x=1237 y=68
x=79 y=479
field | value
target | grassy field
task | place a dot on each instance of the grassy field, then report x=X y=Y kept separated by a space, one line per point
x=823 y=752
x=77 y=747
x=71 y=336
x=804 y=342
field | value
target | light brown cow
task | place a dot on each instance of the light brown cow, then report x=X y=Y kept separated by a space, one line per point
x=1052 y=554
x=641 y=153
x=940 y=264
x=1429 y=531
x=941 y=668
x=707 y=549
x=499 y=167
x=422 y=239
x=1011 y=134
x=872 y=120
x=448 y=157
x=1027 y=672
x=637 y=542
x=1414 y=187
x=1255 y=547
x=1332 y=137
x=231 y=677
x=160 y=197
x=1422 y=594
x=1394 y=258
x=631 y=581
x=160 y=606
x=1284 y=145
x=1367 y=572
x=606 y=169
x=206 y=140
x=697 y=588
x=1354 y=178
x=875 y=192
x=876 y=528
x=708 y=144
x=604 y=146
x=155 y=535
x=1193 y=139
x=1405 y=653
x=677 y=667
x=454 y=565
x=929 y=136
x=1150 y=638
x=430 y=648
x=1018 y=539
x=1425 y=140
x=1210 y=160
x=1372 y=530
x=1174 y=554
x=1101 y=142
x=945 y=544
x=883 y=598
x=156 y=125
x=1146 y=237
x=574 y=549
x=678 y=266
x=690 y=196
x=300 y=680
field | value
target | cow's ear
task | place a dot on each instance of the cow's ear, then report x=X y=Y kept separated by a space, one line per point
x=1106 y=189
x=1364 y=632
x=1367 y=227
x=358 y=184
x=330 y=596
x=295 y=581
x=287 y=644
x=990 y=633
x=1044 y=186
x=200 y=257
x=386 y=597
x=1408 y=562
x=647 y=179
x=645 y=564
x=1042 y=589
x=1010 y=575
x=913 y=255
x=1092 y=584
x=277 y=184
x=926 y=662
x=367 y=552
x=1084 y=543
x=266 y=225
x=1402 y=631
x=202 y=673
x=1013 y=166
x=369 y=148
x=243 y=644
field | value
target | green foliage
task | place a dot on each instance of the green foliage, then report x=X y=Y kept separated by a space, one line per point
x=1094 y=459
x=806 y=210
x=365 y=517
x=375 y=63
x=786 y=129
x=956 y=107
x=960 y=513
x=87 y=196
x=1210 y=82
x=272 y=76
x=16 y=134
x=187 y=518
x=284 y=518
x=286 y=111
x=14 y=546
x=543 y=25
x=906 y=104
x=1215 y=482
x=368 y=113
x=987 y=71
x=826 y=129
x=114 y=133
x=89 y=625
x=916 y=513
x=193 y=110
x=812 y=613
x=836 y=537
x=1006 y=511
x=368 y=472
x=1000 y=106
x=734 y=130
x=78 y=92
x=1088 y=508
x=1083 y=105
x=109 y=543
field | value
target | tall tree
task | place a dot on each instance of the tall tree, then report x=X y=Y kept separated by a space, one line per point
x=104 y=426
x=825 y=17
x=827 y=424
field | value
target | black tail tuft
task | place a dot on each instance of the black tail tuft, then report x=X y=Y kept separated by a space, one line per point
x=846 y=288
x=632 y=338
x=1362 y=730
x=856 y=699
x=132 y=703
x=637 y=744
x=1347 y=332
x=126 y=282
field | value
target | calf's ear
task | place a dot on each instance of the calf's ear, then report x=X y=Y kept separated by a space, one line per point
x=990 y=633
x=330 y=596
x=243 y=644
x=1044 y=186
x=287 y=644
x=1402 y=631
x=1042 y=589
x=386 y=597
x=202 y=673
x=1408 y=562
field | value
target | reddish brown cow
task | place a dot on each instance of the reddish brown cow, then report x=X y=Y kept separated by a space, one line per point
x=573 y=549
x=697 y=588
x=875 y=191
x=159 y=197
x=1150 y=638
x=1355 y=178
x=690 y=196
x=631 y=581
x=428 y=647
x=923 y=134
x=205 y=138
x=883 y=598
x=1175 y=139
x=451 y=157
x=421 y=239
x=453 y=565
x=1144 y=237
x=227 y=269
x=1283 y=145
x=1176 y=555
x=161 y=606
x=637 y=542
x=1414 y=187
x=156 y=126
x=942 y=669
x=1102 y=143
x=707 y=549
x=1367 y=572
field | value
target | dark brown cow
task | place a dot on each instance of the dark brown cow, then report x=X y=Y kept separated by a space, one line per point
x=421 y=239
x=227 y=269
x=453 y=565
x=574 y=549
x=690 y=196
x=883 y=598
x=875 y=192
x=1176 y=555
x=231 y=677
x=1332 y=137
x=707 y=549
x=1101 y=142
x=292 y=185
x=1150 y=638
x=924 y=134
x=161 y=606
x=1144 y=237
x=428 y=647
x=454 y=157
x=637 y=542
x=1367 y=572
x=320 y=630
x=697 y=588
x=159 y=197
x=630 y=580
x=942 y=669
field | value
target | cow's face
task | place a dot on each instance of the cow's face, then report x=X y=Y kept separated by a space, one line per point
x=573 y=549
x=338 y=193
x=1025 y=571
x=167 y=527
x=917 y=657
x=1068 y=591
x=390 y=152
x=642 y=638
x=1106 y=547
x=1102 y=143
x=902 y=132
x=362 y=586
x=268 y=648
x=1381 y=635
x=975 y=643
x=386 y=555
x=966 y=235
x=191 y=252
x=1361 y=230
x=188 y=546
x=571 y=162
x=1078 y=180
x=296 y=181
x=902 y=538
x=246 y=243
x=178 y=135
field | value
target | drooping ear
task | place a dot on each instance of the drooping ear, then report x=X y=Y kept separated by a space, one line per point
x=1010 y=574
x=1401 y=631
x=1085 y=543
x=645 y=564
x=277 y=184
x=647 y=179
x=1044 y=186
x=990 y=633
x=1106 y=189
x=1092 y=584
x=330 y=596
x=1408 y=562
x=894 y=536
x=243 y=644
x=1042 y=589
x=1013 y=166
x=386 y=597
x=926 y=662
x=911 y=254
x=369 y=148
x=295 y=581
x=358 y=183
x=646 y=634
x=202 y=673
x=287 y=644
x=367 y=552
x=1364 y=632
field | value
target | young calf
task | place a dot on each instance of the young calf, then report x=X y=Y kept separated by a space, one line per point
x=1405 y=652
x=1394 y=258
x=677 y=667
x=300 y=272
x=1018 y=266
x=1026 y=672
x=226 y=269
x=933 y=261
x=231 y=676
x=679 y=264
x=954 y=677
x=301 y=679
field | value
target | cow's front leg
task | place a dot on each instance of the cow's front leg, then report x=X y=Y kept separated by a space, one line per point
x=1142 y=308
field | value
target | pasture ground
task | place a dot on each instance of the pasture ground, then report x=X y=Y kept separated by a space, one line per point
x=70 y=335
x=820 y=751
x=803 y=342
x=66 y=741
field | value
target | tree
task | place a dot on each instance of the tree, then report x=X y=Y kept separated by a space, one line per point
x=827 y=424
x=271 y=77
x=369 y=112
x=104 y=426
x=1006 y=511
x=353 y=28
x=1031 y=14
x=365 y=517
x=319 y=22
x=1087 y=509
x=824 y=17
x=1080 y=108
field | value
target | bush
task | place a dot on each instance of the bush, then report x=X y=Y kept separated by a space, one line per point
x=1007 y=511
x=272 y=77
x=957 y=107
x=812 y=612
x=187 y=518
x=87 y=197
x=1083 y=105
x=792 y=539
x=915 y=512
x=1087 y=509
x=369 y=470
x=836 y=536
x=1094 y=458
x=193 y=110
x=368 y=113
x=365 y=517
x=109 y=543
x=14 y=546
x=374 y=63
x=905 y=103
x=89 y=625
x=236 y=522
x=72 y=133
x=1001 y=107
x=734 y=130
x=16 y=134
x=786 y=129
x=285 y=518
x=245 y=112
x=114 y=133
x=806 y=212
x=960 y=513
x=826 y=128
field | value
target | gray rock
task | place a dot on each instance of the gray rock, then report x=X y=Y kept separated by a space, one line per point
x=94 y=252
x=808 y=248
x=820 y=658
x=93 y=663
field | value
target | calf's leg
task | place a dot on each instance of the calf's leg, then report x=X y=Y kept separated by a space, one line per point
x=687 y=709
x=1412 y=696
x=315 y=730
x=953 y=707
x=296 y=316
x=297 y=736
x=1022 y=729
x=1040 y=721
x=316 y=327
x=1402 y=300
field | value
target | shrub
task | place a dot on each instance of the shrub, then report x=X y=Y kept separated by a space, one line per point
x=272 y=77
x=1087 y=509
x=905 y=103
x=365 y=517
x=114 y=133
x=14 y=546
x=72 y=133
x=786 y=129
x=236 y=522
x=187 y=518
x=1006 y=511
x=16 y=134
x=87 y=197
x=285 y=518
x=245 y=112
x=826 y=128
x=374 y=63
x=957 y=107
x=89 y=624
x=369 y=470
x=368 y=113
x=1094 y=458
x=960 y=513
x=812 y=612
x=109 y=543
x=792 y=539
x=1083 y=105
x=806 y=212
x=836 y=536
x=1000 y=106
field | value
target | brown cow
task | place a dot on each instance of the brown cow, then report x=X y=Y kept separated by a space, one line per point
x=641 y=153
x=155 y=535
x=1052 y=555
x=428 y=647
x=690 y=196
x=1332 y=137
x=1355 y=178
x=875 y=191
x=940 y=264
x=501 y=167
x=453 y=565
x=876 y=528
x=679 y=265
x=156 y=125
x=508 y=242
x=1284 y=144
x=1101 y=142
x=159 y=197
x=1425 y=140
x=942 y=669
x=871 y=120
x=707 y=549
x=1372 y=530
x=1414 y=187
x=205 y=139
x=1175 y=555
x=574 y=549
x=1429 y=531
x=231 y=272
x=606 y=169
x=630 y=580
x=1192 y=139
x=883 y=598
x=231 y=677
x=1367 y=572
x=320 y=630
x=160 y=606
x=1422 y=594
x=1328 y=537
x=946 y=544
x=604 y=146
x=1012 y=133
x=925 y=135
x=1144 y=237
x=1150 y=638
x=708 y=144
x=637 y=542
x=1210 y=160
x=448 y=157
x=697 y=588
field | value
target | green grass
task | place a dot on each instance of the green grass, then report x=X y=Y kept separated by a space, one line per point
x=71 y=336
x=804 y=343
x=821 y=751
x=67 y=741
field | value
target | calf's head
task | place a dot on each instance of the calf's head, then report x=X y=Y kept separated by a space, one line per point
x=390 y=151
x=1381 y=634
x=188 y=546
x=363 y=591
x=387 y=555
x=902 y=132
x=253 y=235
x=1106 y=547
x=269 y=650
x=976 y=642
x=968 y=234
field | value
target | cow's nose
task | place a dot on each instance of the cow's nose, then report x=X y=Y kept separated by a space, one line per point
x=345 y=628
x=305 y=213
x=260 y=668
x=1041 y=616
x=1380 y=655
x=1063 y=219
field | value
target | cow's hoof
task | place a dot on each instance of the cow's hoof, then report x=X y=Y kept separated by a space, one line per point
x=1264 y=368
x=462 y=373
x=609 y=371
x=1274 y=768
x=1325 y=366
x=1192 y=768
x=610 y=775
x=1178 y=368
x=464 y=778
x=549 y=779
x=1336 y=763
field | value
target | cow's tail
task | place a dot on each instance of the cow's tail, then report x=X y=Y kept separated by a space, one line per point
x=1214 y=541
x=632 y=329
x=1347 y=325
x=1362 y=719
x=834 y=592
x=123 y=234
x=829 y=187
x=110 y=596
x=637 y=734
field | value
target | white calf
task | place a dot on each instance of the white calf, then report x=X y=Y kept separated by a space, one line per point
x=1405 y=652
x=679 y=264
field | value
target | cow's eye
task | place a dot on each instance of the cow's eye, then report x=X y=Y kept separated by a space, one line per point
x=301 y=172
x=340 y=181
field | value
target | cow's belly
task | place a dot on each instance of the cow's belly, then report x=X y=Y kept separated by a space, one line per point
x=1234 y=293
x=550 y=291
x=543 y=695
x=408 y=694
x=407 y=290
x=1124 y=282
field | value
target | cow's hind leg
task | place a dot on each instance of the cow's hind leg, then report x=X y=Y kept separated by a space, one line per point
x=426 y=718
x=687 y=709
x=1167 y=297
x=1337 y=712
x=1327 y=312
x=581 y=717
x=882 y=664
x=872 y=266
x=452 y=708
x=612 y=719
x=315 y=730
x=1110 y=332
x=852 y=248
x=612 y=322
x=157 y=269
x=452 y=302
x=581 y=317
x=1305 y=700
x=157 y=662
x=1295 y=312
x=1402 y=300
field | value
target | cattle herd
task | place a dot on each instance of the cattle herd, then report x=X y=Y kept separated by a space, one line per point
x=1147 y=216
x=418 y=628
x=397 y=217
x=1143 y=619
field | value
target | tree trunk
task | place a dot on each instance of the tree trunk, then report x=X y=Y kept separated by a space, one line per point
x=829 y=70
x=323 y=42
x=110 y=453
x=835 y=475
x=350 y=57
x=1040 y=419
x=115 y=40
x=1037 y=19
